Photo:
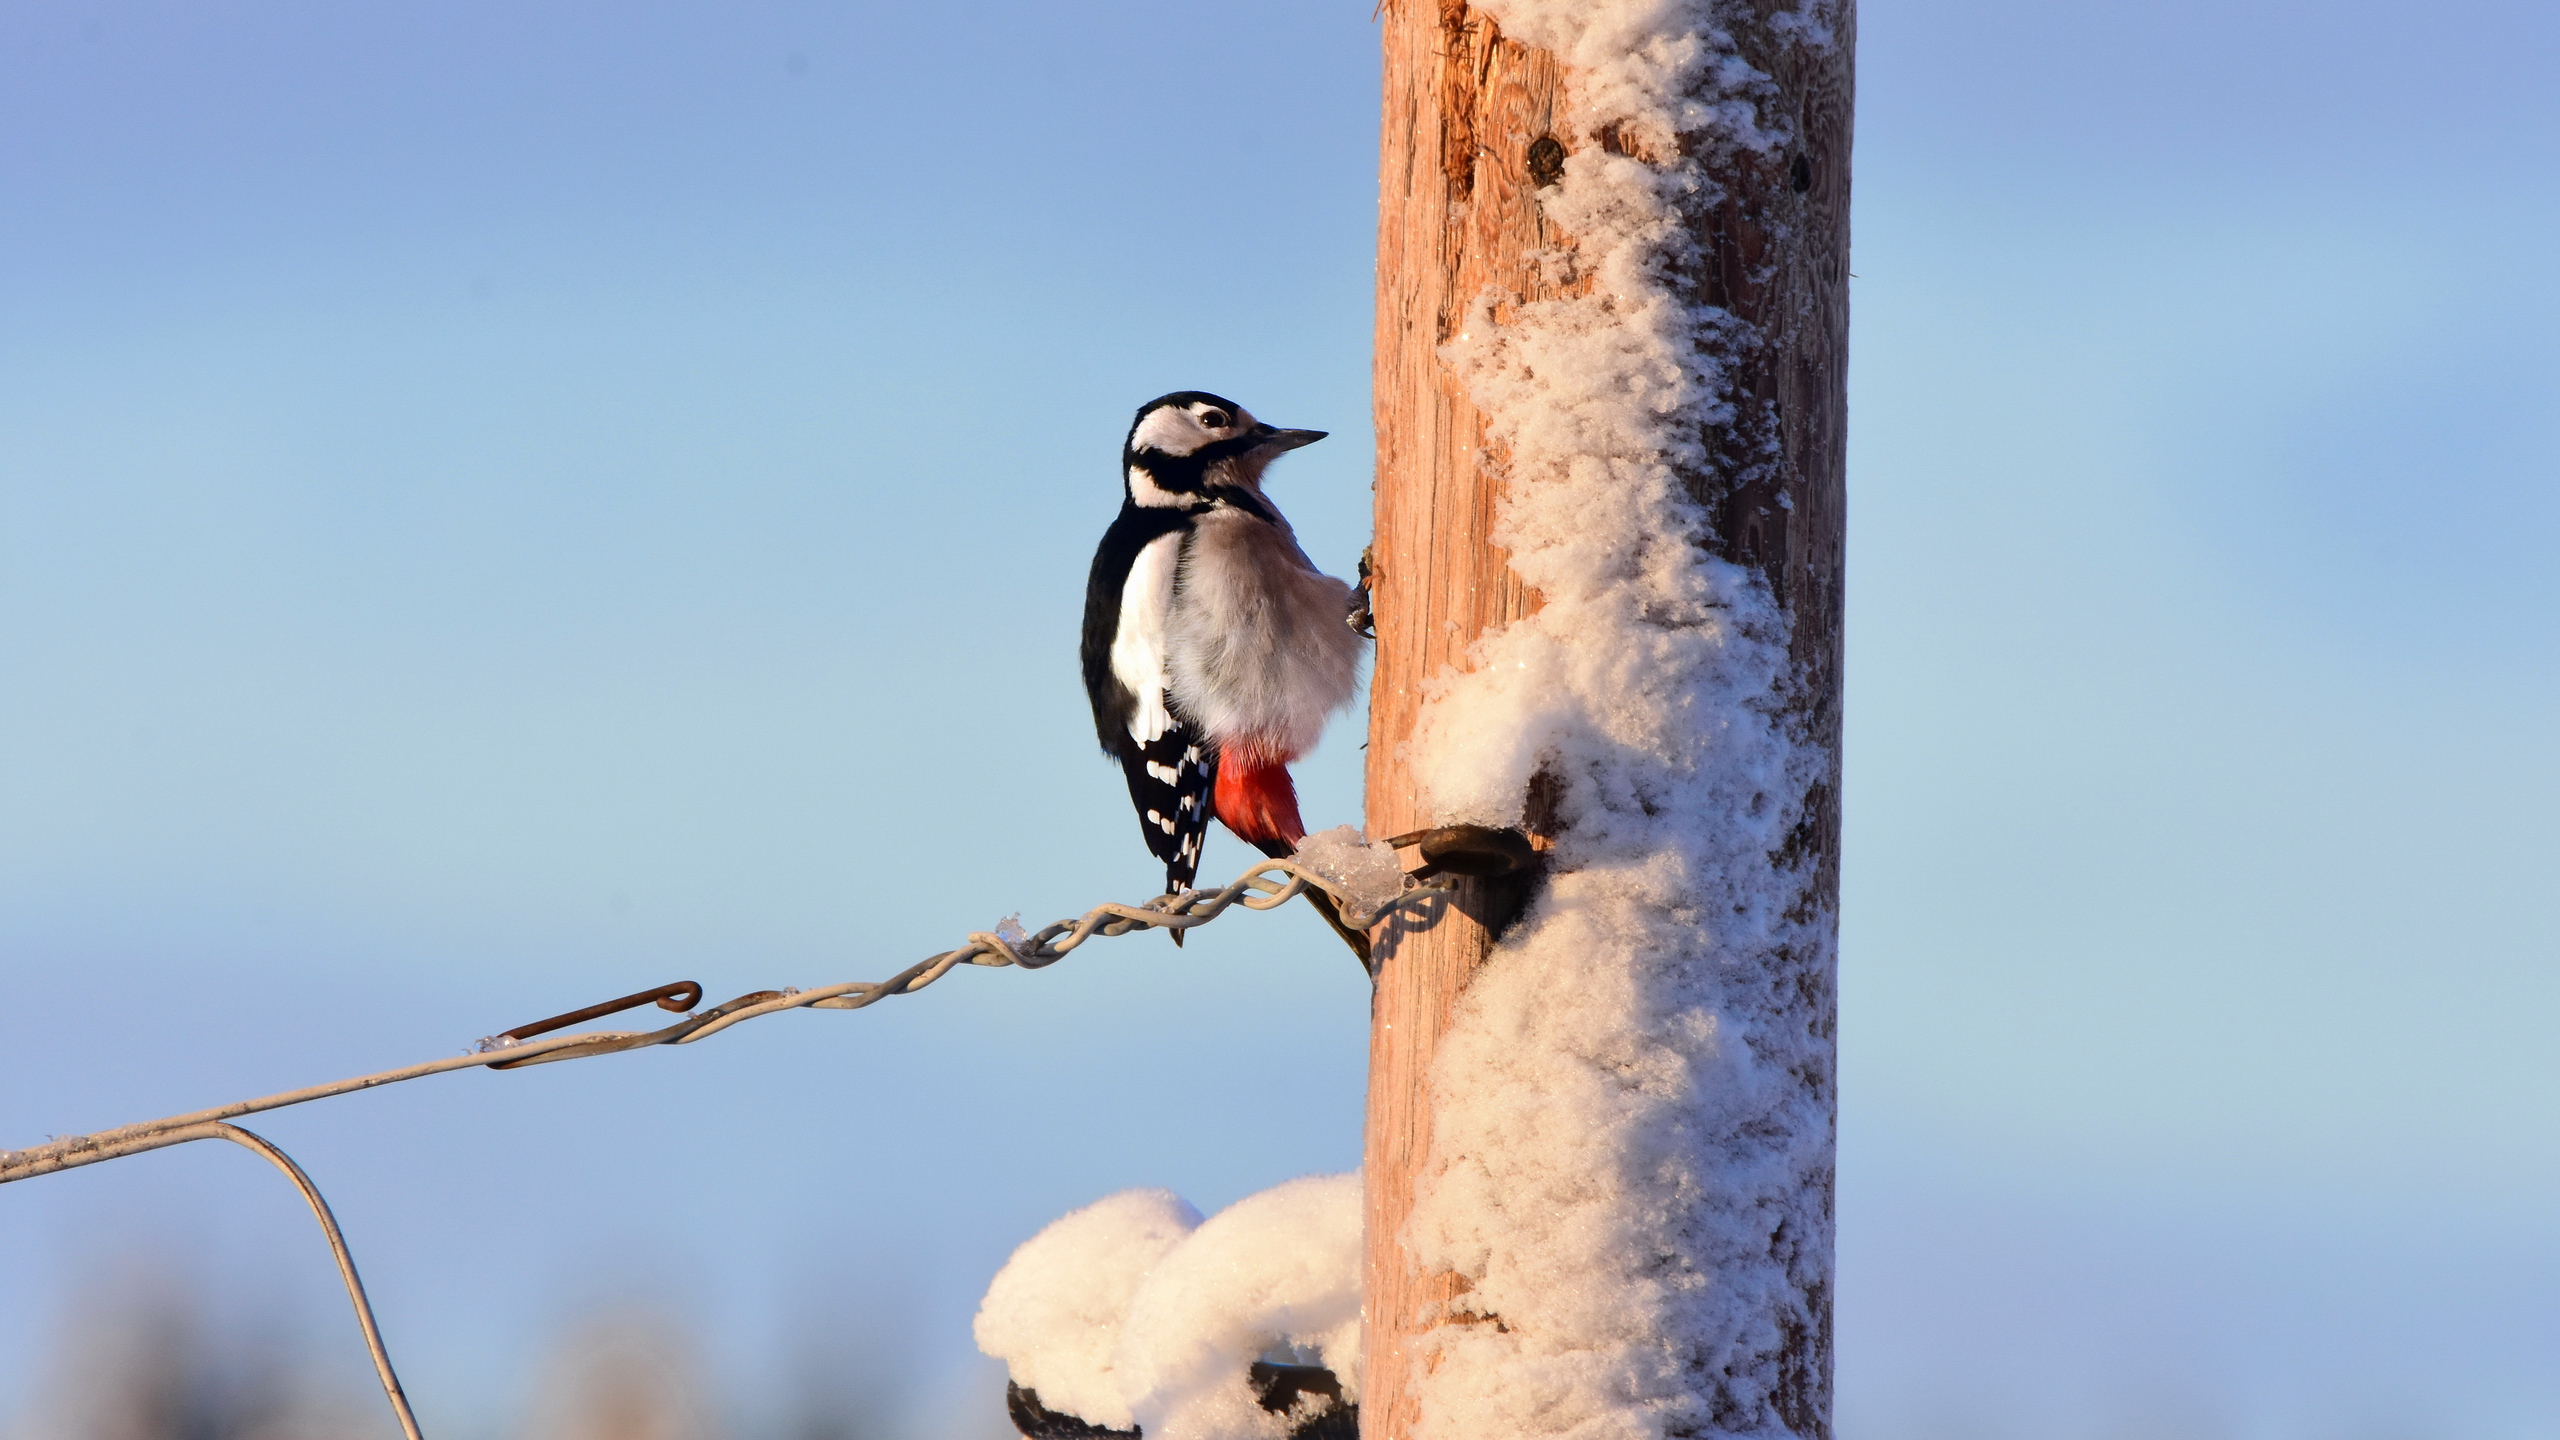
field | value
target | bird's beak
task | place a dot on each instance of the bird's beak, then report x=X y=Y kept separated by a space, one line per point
x=1274 y=442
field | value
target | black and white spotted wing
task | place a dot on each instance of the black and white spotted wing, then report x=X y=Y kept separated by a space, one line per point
x=1169 y=783
x=1169 y=765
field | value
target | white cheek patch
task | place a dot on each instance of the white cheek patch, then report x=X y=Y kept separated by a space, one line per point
x=1174 y=430
x=1171 y=430
x=1137 y=647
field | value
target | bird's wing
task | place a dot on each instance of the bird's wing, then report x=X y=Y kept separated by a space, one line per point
x=1138 y=639
x=1170 y=778
x=1125 y=601
x=1170 y=766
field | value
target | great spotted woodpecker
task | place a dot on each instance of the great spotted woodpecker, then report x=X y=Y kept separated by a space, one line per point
x=1214 y=650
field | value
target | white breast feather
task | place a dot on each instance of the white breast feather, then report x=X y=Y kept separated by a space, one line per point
x=1256 y=645
x=1137 y=647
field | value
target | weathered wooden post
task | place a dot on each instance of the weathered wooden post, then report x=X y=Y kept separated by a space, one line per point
x=1611 y=349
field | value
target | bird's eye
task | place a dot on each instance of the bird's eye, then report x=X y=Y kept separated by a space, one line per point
x=1214 y=419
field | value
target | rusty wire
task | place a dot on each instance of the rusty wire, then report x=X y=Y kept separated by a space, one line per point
x=1268 y=885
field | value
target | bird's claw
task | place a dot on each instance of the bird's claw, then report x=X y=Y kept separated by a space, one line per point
x=1360 y=617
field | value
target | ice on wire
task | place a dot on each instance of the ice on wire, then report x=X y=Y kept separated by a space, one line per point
x=1360 y=870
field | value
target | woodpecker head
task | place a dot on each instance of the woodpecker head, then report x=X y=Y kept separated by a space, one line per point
x=1186 y=447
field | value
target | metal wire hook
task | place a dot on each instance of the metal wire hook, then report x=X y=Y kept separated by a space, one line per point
x=681 y=996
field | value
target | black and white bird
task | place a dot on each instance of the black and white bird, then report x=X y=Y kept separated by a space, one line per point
x=1214 y=650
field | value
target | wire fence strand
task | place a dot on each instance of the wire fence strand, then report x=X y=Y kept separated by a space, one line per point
x=346 y=1259
x=1266 y=886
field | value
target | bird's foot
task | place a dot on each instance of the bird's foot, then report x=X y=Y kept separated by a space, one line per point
x=1360 y=617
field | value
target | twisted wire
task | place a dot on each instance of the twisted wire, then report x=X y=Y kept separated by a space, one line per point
x=1266 y=886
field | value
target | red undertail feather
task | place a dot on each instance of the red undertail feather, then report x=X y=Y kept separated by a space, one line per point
x=1256 y=800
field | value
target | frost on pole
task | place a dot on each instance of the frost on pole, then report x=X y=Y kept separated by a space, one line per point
x=1629 y=1163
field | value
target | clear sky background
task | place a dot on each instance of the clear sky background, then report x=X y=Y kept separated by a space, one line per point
x=503 y=504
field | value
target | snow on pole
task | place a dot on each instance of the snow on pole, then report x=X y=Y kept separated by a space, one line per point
x=1612 y=335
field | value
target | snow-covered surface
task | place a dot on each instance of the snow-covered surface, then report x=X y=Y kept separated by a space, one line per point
x=1274 y=1271
x=1628 y=1161
x=1363 y=870
x=1052 y=1314
x=1131 y=1311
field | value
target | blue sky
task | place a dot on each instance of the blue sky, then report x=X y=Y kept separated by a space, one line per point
x=504 y=504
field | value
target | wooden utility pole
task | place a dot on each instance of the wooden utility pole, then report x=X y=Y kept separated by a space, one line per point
x=1457 y=215
x=1475 y=126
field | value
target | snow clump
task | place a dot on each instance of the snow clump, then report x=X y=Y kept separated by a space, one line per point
x=1274 y=1272
x=1131 y=1312
x=1052 y=1315
x=1362 y=871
